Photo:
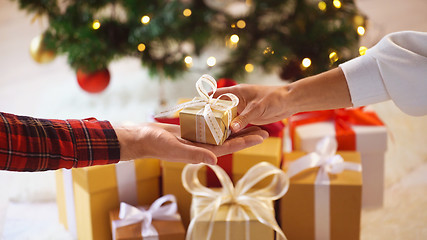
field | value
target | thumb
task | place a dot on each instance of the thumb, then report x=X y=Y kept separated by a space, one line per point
x=248 y=115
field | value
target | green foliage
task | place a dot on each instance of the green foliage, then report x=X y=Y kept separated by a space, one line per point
x=277 y=36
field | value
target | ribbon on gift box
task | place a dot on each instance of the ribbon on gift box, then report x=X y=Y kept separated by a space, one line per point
x=158 y=211
x=328 y=162
x=240 y=198
x=209 y=103
x=342 y=118
x=126 y=189
x=274 y=129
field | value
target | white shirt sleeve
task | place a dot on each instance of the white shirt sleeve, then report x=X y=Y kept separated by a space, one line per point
x=396 y=69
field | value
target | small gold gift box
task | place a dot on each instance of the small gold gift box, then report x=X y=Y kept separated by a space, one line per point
x=139 y=223
x=205 y=119
x=195 y=128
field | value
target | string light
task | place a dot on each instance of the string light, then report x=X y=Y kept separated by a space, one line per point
x=362 y=50
x=322 y=6
x=96 y=24
x=234 y=38
x=361 y=30
x=268 y=50
x=145 y=19
x=211 y=61
x=233 y=25
x=141 y=47
x=333 y=56
x=306 y=62
x=249 y=67
x=188 y=61
x=241 y=24
x=186 y=12
x=337 y=3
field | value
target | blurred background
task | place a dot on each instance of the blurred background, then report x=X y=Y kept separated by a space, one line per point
x=142 y=68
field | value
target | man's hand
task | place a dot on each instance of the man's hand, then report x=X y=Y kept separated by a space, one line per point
x=163 y=141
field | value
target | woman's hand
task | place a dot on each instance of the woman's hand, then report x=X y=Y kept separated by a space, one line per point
x=163 y=141
x=258 y=104
x=266 y=104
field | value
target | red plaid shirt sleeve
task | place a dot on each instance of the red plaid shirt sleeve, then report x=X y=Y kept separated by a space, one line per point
x=33 y=144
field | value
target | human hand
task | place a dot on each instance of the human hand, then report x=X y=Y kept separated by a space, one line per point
x=258 y=104
x=163 y=141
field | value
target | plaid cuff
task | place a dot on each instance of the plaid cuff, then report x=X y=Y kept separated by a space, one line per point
x=95 y=142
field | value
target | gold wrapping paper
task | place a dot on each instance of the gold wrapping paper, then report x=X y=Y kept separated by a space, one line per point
x=297 y=206
x=168 y=230
x=269 y=151
x=257 y=230
x=96 y=193
x=241 y=203
x=188 y=117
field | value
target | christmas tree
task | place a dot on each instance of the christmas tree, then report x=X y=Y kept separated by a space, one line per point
x=295 y=38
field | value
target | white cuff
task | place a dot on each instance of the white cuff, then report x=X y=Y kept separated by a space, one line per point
x=364 y=81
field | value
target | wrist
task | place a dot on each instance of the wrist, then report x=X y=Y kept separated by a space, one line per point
x=289 y=98
x=324 y=91
x=131 y=139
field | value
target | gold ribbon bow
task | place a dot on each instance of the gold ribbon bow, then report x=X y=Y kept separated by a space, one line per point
x=209 y=103
x=242 y=199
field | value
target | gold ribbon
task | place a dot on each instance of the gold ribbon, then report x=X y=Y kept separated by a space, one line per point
x=242 y=198
x=209 y=103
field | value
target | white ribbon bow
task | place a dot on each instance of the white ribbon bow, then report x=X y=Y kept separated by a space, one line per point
x=158 y=211
x=209 y=104
x=326 y=159
x=329 y=162
x=241 y=200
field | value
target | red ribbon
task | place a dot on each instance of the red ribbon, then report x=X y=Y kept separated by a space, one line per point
x=343 y=120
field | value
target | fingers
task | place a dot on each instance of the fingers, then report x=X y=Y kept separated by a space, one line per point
x=252 y=136
x=190 y=153
x=253 y=130
x=250 y=114
x=223 y=90
x=247 y=138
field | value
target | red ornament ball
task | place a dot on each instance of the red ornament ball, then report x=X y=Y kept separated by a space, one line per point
x=94 y=82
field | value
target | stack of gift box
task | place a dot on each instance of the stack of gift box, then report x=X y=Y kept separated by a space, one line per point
x=313 y=192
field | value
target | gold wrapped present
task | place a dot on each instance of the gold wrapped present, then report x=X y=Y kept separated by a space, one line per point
x=355 y=129
x=239 y=212
x=324 y=197
x=85 y=196
x=206 y=119
x=212 y=128
x=236 y=165
x=158 y=221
